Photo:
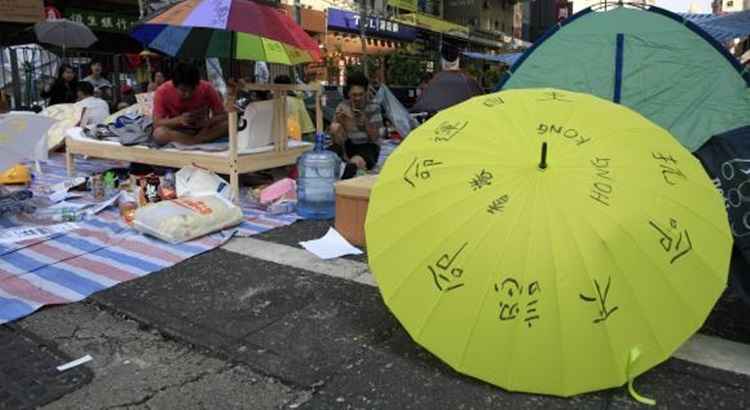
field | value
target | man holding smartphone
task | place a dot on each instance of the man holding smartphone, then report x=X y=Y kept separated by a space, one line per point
x=188 y=110
x=357 y=128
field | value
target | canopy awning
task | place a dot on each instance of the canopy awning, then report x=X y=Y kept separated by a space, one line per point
x=724 y=27
x=508 y=59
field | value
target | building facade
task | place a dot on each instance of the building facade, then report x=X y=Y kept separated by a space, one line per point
x=543 y=14
x=488 y=16
x=730 y=6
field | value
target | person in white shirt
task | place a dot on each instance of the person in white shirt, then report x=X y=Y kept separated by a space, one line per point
x=95 y=110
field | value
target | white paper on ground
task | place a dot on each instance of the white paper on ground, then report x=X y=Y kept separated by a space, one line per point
x=332 y=245
x=58 y=196
x=104 y=205
x=13 y=235
x=66 y=185
x=75 y=363
x=62 y=196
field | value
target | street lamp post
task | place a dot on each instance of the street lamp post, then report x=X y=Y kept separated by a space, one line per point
x=298 y=12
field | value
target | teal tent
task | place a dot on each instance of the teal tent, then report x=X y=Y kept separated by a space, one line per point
x=649 y=59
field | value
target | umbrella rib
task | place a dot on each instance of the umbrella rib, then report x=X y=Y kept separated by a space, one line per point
x=590 y=277
x=442 y=294
x=502 y=143
x=529 y=246
x=463 y=148
x=428 y=218
x=528 y=114
x=519 y=132
x=491 y=277
x=640 y=248
x=625 y=277
x=665 y=275
x=700 y=216
x=550 y=210
x=671 y=200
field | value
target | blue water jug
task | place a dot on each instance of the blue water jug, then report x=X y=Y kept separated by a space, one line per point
x=319 y=170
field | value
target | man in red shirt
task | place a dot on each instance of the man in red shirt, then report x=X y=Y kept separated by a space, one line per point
x=188 y=110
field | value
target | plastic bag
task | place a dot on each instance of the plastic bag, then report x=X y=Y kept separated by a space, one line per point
x=187 y=218
x=193 y=181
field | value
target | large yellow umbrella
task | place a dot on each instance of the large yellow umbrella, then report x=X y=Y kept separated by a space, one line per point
x=558 y=273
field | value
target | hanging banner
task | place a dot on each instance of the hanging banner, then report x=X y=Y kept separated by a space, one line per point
x=410 y=5
x=22 y=11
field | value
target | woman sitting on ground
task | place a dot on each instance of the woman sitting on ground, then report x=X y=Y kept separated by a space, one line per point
x=357 y=128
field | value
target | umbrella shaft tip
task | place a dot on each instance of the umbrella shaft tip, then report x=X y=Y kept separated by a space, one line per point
x=543 y=163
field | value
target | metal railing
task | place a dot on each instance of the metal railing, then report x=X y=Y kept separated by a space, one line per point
x=25 y=72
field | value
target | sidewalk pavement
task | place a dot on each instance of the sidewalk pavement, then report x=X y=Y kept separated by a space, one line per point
x=224 y=330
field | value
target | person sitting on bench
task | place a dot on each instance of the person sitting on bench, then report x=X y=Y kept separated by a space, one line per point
x=188 y=110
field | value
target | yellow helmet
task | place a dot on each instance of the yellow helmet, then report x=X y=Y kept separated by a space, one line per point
x=18 y=174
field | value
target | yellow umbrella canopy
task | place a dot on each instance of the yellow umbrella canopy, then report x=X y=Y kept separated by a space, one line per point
x=547 y=241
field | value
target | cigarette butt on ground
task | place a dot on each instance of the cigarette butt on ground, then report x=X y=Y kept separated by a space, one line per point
x=75 y=363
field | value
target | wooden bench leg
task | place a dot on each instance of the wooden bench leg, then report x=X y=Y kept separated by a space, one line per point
x=70 y=163
x=234 y=182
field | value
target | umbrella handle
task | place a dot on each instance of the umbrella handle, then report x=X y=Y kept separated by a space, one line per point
x=635 y=353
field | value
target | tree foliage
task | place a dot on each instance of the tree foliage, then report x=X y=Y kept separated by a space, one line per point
x=405 y=68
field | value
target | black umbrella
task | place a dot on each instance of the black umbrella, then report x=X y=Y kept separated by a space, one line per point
x=726 y=157
x=65 y=34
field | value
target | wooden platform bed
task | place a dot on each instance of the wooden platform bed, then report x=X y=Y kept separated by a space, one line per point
x=232 y=162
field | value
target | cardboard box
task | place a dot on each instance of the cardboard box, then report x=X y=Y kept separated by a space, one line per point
x=352 y=199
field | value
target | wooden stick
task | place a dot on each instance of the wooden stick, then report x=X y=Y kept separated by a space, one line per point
x=70 y=165
x=283 y=120
x=234 y=177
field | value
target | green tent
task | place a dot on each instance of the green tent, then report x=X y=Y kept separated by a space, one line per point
x=649 y=59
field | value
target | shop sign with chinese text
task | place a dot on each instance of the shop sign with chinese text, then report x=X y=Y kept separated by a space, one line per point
x=99 y=21
x=342 y=20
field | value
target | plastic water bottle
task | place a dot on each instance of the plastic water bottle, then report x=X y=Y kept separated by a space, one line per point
x=318 y=172
x=61 y=214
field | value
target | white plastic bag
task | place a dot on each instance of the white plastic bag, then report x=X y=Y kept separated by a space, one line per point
x=193 y=181
x=187 y=218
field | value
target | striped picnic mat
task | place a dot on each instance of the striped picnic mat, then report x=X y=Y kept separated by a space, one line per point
x=103 y=252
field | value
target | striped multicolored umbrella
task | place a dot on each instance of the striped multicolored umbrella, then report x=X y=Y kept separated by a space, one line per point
x=241 y=29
